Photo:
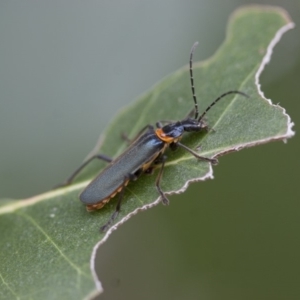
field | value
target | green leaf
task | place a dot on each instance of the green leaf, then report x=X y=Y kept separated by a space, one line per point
x=46 y=241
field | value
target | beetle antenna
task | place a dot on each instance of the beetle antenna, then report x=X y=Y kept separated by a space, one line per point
x=219 y=98
x=192 y=80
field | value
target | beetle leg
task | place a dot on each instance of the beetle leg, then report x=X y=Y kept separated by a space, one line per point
x=165 y=200
x=161 y=123
x=191 y=114
x=77 y=171
x=118 y=206
x=125 y=137
x=214 y=161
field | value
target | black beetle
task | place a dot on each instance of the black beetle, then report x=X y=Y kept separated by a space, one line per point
x=142 y=155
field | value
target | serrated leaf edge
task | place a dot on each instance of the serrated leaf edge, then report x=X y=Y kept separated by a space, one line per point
x=289 y=133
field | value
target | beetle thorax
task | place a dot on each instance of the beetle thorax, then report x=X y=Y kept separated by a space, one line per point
x=170 y=133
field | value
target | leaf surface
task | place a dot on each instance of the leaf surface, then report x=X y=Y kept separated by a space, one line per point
x=46 y=241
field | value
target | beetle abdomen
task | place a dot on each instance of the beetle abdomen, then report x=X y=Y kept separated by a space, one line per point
x=140 y=154
x=92 y=207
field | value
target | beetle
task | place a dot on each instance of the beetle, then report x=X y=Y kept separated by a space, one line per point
x=144 y=153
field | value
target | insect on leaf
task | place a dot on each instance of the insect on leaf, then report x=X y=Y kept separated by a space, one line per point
x=52 y=256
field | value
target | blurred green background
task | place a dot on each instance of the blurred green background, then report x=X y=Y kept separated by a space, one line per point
x=66 y=67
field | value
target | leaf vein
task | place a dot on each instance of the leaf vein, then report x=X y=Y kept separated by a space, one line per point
x=66 y=258
x=8 y=287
